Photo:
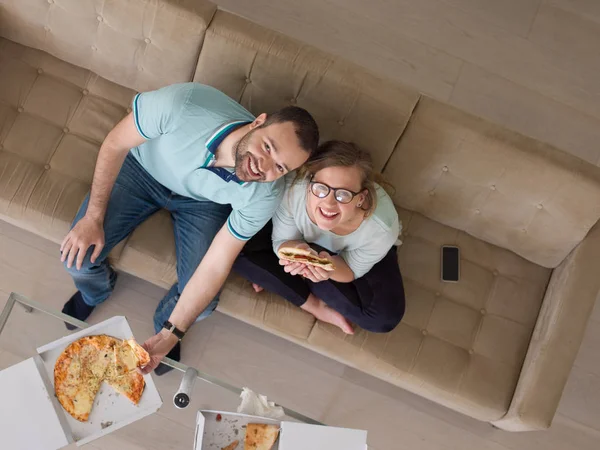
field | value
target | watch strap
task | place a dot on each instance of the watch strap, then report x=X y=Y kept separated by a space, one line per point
x=173 y=329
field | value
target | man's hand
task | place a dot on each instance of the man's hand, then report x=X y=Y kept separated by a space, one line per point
x=85 y=233
x=158 y=346
x=317 y=274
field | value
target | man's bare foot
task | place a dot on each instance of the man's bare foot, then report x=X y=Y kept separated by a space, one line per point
x=257 y=288
x=324 y=313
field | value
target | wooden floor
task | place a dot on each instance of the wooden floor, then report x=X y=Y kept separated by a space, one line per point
x=531 y=65
x=294 y=376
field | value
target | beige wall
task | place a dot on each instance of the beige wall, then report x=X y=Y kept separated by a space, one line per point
x=531 y=65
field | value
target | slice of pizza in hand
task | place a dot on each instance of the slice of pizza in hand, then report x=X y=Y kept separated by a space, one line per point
x=260 y=436
x=306 y=257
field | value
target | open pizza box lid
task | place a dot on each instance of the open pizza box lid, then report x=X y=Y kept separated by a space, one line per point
x=215 y=430
x=31 y=416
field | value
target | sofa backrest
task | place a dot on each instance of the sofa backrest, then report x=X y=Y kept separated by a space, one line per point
x=265 y=70
x=139 y=44
x=497 y=185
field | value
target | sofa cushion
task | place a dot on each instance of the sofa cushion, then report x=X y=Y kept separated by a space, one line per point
x=140 y=44
x=495 y=184
x=265 y=70
x=53 y=118
x=459 y=344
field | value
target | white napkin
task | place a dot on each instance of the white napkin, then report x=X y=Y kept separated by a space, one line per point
x=258 y=405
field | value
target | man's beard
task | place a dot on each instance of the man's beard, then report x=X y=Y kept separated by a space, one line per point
x=240 y=152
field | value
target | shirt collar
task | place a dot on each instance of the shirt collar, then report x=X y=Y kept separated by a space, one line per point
x=221 y=133
x=213 y=143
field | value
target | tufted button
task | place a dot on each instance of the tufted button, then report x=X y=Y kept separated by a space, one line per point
x=99 y=19
x=340 y=122
x=47 y=29
x=85 y=92
x=493 y=187
x=94 y=48
x=248 y=81
x=445 y=169
x=483 y=312
x=147 y=40
x=140 y=69
x=540 y=206
x=65 y=130
x=523 y=230
x=20 y=109
x=293 y=101
x=40 y=71
x=47 y=167
x=477 y=211
x=129 y=109
x=437 y=294
x=496 y=273
x=471 y=351
x=424 y=332
x=50 y=1
x=431 y=193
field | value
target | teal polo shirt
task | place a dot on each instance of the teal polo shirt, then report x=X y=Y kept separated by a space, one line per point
x=184 y=125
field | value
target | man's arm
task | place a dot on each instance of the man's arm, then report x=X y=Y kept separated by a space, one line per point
x=89 y=230
x=202 y=288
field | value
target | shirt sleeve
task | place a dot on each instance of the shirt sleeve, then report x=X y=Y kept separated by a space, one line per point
x=362 y=258
x=245 y=222
x=284 y=223
x=158 y=112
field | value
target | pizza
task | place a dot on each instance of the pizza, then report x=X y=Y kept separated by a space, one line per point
x=306 y=257
x=260 y=436
x=82 y=367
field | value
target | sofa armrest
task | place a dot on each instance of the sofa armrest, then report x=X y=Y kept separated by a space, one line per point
x=568 y=303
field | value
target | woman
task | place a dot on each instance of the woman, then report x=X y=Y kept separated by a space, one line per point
x=335 y=209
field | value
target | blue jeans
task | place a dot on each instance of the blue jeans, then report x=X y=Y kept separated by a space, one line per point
x=135 y=197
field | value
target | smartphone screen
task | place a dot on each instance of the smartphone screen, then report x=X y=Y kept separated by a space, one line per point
x=450 y=263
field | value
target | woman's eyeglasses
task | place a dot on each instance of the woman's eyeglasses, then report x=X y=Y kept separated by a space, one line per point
x=321 y=190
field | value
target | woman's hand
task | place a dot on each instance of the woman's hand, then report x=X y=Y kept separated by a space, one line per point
x=296 y=268
x=317 y=274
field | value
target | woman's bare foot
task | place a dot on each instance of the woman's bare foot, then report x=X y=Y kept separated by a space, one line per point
x=257 y=288
x=324 y=313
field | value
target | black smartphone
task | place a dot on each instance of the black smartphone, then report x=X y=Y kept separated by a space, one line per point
x=450 y=263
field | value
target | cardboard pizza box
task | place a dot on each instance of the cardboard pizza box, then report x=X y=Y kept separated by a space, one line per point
x=217 y=429
x=29 y=386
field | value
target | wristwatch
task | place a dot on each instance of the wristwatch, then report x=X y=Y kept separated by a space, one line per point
x=173 y=329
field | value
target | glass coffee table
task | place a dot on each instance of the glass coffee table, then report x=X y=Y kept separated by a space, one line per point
x=26 y=325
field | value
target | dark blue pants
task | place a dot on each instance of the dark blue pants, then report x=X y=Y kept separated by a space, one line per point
x=135 y=197
x=375 y=301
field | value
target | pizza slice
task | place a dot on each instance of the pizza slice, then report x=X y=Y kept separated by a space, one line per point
x=260 y=436
x=127 y=357
x=131 y=385
x=306 y=257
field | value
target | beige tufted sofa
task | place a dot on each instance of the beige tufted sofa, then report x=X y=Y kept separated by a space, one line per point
x=498 y=346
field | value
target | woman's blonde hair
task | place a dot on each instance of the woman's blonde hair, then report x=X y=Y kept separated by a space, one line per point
x=345 y=154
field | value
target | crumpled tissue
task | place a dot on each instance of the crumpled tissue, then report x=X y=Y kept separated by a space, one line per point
x=258 y=405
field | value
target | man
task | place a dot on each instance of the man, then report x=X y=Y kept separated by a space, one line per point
x=190 y=149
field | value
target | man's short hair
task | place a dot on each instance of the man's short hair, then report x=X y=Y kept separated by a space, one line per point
x=306 y=127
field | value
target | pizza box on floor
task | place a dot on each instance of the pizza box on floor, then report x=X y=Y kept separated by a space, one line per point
x=31 y=416
x=216 y=430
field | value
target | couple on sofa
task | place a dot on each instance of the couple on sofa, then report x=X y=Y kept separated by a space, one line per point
x=223 y=174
